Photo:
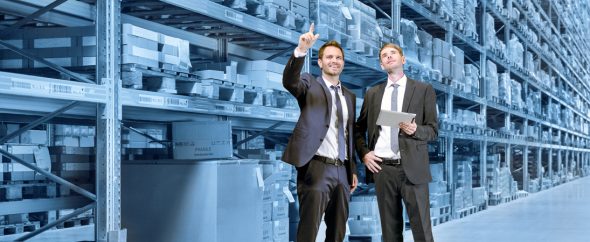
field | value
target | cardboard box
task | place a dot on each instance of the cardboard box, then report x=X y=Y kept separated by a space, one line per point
x=202 y=140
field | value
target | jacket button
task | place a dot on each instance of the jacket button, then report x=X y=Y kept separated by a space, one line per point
x=321 y=140
x=327 y=126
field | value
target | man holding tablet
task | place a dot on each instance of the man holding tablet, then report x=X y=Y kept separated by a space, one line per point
x=396 y=154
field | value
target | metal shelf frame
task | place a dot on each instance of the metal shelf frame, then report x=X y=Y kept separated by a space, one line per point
x=111 y=101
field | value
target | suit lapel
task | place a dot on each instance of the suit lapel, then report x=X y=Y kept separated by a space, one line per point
x=410 y=86
x=327 y=93
x=378 y=98
x=348 y=97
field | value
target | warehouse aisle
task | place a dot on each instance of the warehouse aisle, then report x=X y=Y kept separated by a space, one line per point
x=555 y=215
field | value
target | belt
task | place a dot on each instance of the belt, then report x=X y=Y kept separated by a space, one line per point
x=391 y=162
x=327 y=160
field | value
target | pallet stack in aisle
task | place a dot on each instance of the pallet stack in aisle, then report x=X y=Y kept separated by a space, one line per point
x=472 y=79
x=291 y=14
x=463 y=197
x=276 y=199
x=75 y=164
x=363 y=28
x=135 y=146
x=19 y=183
x=363 y=218
x=440 y=198
x=330 y=21
x=152 y=52
x=441 y=58
x=66 y=47
x=409 y=32
x=491 y=78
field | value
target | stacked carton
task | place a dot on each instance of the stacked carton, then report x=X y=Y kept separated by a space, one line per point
x=441 y=57
x=330 y=20
x=363 y=28
x=275 y=200
x=363 y=218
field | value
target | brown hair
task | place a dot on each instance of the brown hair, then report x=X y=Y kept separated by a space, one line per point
x=330 y=43
x=391 y=45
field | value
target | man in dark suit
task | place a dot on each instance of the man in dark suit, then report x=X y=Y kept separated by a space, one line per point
x=321 y=146
x=396 y=156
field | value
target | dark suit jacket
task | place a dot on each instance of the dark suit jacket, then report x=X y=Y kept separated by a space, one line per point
x=315 y=102
x=419 y=98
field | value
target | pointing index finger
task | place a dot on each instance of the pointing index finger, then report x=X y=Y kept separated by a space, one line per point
x=311 y=28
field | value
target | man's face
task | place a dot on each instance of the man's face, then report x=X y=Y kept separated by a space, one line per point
x=392 y=60
x=332 y=62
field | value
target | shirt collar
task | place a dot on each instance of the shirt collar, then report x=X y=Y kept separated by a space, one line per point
x=401 y=82
x=329 y=84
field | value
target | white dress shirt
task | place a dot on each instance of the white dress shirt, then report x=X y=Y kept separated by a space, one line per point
x=383 y=146
x=329 y=146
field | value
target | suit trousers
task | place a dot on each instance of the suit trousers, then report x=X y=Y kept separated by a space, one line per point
x=392 y=188
x=322 y=188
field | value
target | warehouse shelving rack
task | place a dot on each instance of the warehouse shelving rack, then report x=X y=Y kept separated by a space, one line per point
x=244 y=37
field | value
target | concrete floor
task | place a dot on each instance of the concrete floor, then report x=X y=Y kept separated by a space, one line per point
x=559 y=214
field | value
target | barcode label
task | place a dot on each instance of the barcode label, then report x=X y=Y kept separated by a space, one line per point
x=177 y=102
x=234 y=16
x=152 y=100
x=32 y=86
x=284 y=33
x=67 y=89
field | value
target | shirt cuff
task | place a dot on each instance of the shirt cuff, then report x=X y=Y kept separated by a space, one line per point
x=298 y=53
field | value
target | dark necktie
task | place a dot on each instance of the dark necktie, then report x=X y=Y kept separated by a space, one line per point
x=395 y=127
x=341 y=140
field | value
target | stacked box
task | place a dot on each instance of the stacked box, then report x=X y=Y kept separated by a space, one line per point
x=470 y=22
x=533 y=102
x=425 y=49
x=408 y=30
x=34 y=137
x=458 y=66
x=263 y=73
x=37 y=155
x=134 y=140
x=516 y=51
x=6 y=129
x=490 y=32
x=516 y=94
x=276 y=197
x=480 y=196
x=363 y=217
x=458 y=11
x=330 y=21
x=437 y=171
x=389 y=35
x=464 y=180
x=504 y=87
x=202 y=140
x=76 y=164
x=458 y=199
x=74 y=135
x=529 y=63
x=66 y=47
x=471 y=79
x=441 y=57
x=150 y=48
x=363 y=28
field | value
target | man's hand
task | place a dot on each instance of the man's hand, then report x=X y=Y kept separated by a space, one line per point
x=307 y=40
x=372 y=162
x=408 y=128
x=355 y=182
